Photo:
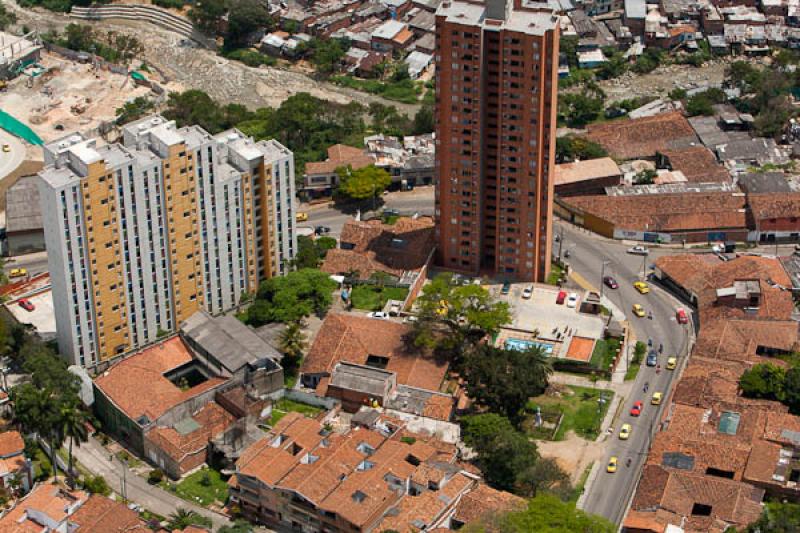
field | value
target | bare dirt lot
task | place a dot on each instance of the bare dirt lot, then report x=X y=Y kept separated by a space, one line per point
x=573 y=454
x=70 y=96
x=664 y=79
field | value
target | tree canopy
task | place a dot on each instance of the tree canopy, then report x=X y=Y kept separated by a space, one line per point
x=291 y=297
x=771 y=382
x=571 y=147
x=545 y=514
x=777 y=518
x=364 y=183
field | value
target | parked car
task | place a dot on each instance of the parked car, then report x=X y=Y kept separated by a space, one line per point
x=612 y=465
x=6 y=148
x=506 y=288
x=410 y=319
x=625 y=432
x=636 y=410
x=562 y=295
x=718 y=248
x=681 y=316
x=26 y=305
x=642 y=287
x=572 y=299
x=17 y=273
x=638 y=250
x=527 y=292
x=378 y=314
x=301 y=217
x=652 y=358
x=610 y=282
x=672 y=362
x=656 y=400
x=638 y=310
x=322 y=230
x=476 y=281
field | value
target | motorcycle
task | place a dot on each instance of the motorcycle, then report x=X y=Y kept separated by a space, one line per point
x=650 y=316
x=646 y=386
x=658 y=369
x=628 y=462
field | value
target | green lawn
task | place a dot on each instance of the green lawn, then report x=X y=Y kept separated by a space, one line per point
x=372 y=298
x=555 y=274
x=604 y=352
x=285 y=406
x=580 y=410
x=633 y=369
x=204 y=487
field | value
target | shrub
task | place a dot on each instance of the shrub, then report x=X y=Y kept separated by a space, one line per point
x=155 y=476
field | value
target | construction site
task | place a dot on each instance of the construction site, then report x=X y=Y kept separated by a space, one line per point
x=57 y=94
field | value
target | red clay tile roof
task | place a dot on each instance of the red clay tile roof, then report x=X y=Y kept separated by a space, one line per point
x=485 y=500
x=405 y=245
x=340 y=155
x=698 y=164
x=103 y=515
x=764 y=457
x=211 y=418
x=731 y=502
x=588 y=169
x=774 y=205
x=50 y=500
x=353 y=338
x=11 y=443
x=643 y=137
x=667 y=212
x=137 y=385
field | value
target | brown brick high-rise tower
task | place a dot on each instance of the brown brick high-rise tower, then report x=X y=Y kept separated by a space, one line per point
x=497 y=66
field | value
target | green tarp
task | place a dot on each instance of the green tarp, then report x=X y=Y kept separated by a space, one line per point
x=15 y=127
x=136 y=75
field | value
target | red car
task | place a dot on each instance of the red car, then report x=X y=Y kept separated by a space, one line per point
x=636 y=410
x=681 y=316
x=26 y=305
x=562 y=295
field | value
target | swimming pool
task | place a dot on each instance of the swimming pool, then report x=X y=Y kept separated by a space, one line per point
x=519 y=344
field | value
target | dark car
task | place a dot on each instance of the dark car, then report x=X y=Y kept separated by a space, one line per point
x=652 y=358
x=610 y=282
x=506 y=288
x=322 y=230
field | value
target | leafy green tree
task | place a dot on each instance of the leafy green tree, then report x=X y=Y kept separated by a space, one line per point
x=568 y=46
x=37 y=410
x=181 y=519
x=291 y=297
x=324 y=244
x=773 y=117
x=647 y=62
x=208 y=14
x=454 y=318
x=424 y=120
x=196 y=107
x=96 y=485
x=327 y=53
x=546 y=513
x=777 y=517
x=292 y=342
x=239 y=526
x=744 y=75
x=502 y=380
x=364 y=183
x=307 y=255
x=763 y=380
x=7 y=17
x=677 y=94
x=544 y=476
x=614 y=65
x=791 y=389
x=245 y=17
x=133 y=110
x=645 y=177
x=571 y=147
x=503 y=453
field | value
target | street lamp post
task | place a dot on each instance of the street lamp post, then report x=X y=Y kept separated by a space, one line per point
x=603 y=276
x=560 y=242
x=644 y=265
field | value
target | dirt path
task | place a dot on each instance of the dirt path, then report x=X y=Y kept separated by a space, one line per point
x=573 y=454
x=195 y=68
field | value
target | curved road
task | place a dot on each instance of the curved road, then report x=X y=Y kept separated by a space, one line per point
x=10 y=160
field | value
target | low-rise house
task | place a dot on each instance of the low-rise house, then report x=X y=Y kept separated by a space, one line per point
x=360 y=480
x=363 y=361
x=409 y=161
x=273 y=43
x=46 y=508
x=418 y=62
x=745 y=153
x=697 y=163
x=159 y=402
x=391 y=35
x=776 y=216
x=764 y=182
x=642 y=138
x=591 y=58
x=426 y=44
x=634 y=15
x=104 y=515
x=24 y=227
x=590 y=176
x=422 y=23
x=321 y=179
x=16 y=470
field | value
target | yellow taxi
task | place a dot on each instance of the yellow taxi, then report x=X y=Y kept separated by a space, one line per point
x=642 y=287
x=625 y=432
x=442 y=309
x=612 y=465
x=638 y=310
x=301 y=217
x=656 y=400
x=6 y=148
x=17 y=273
x=672 y=362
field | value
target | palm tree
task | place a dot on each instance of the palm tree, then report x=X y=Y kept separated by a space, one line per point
x=37 y=410
x=181 y=519
x=292 y=342
x=73 y=425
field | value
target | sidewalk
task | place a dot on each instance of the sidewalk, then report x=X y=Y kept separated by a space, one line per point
x=94 y=457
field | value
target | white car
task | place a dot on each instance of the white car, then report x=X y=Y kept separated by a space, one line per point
x=378 y=314
x=572 y=299
x=527 y=293
x=638 y=250
x=718 y=248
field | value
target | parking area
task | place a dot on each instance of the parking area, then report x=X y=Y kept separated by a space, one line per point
x=42 y=316
x=556 y=327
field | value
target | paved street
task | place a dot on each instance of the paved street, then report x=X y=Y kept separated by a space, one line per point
x=95 y=458
x=35 y=263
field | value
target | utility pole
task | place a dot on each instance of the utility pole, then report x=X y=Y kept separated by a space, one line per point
x=560 y=241
x=644 y=265
x=603 y=275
